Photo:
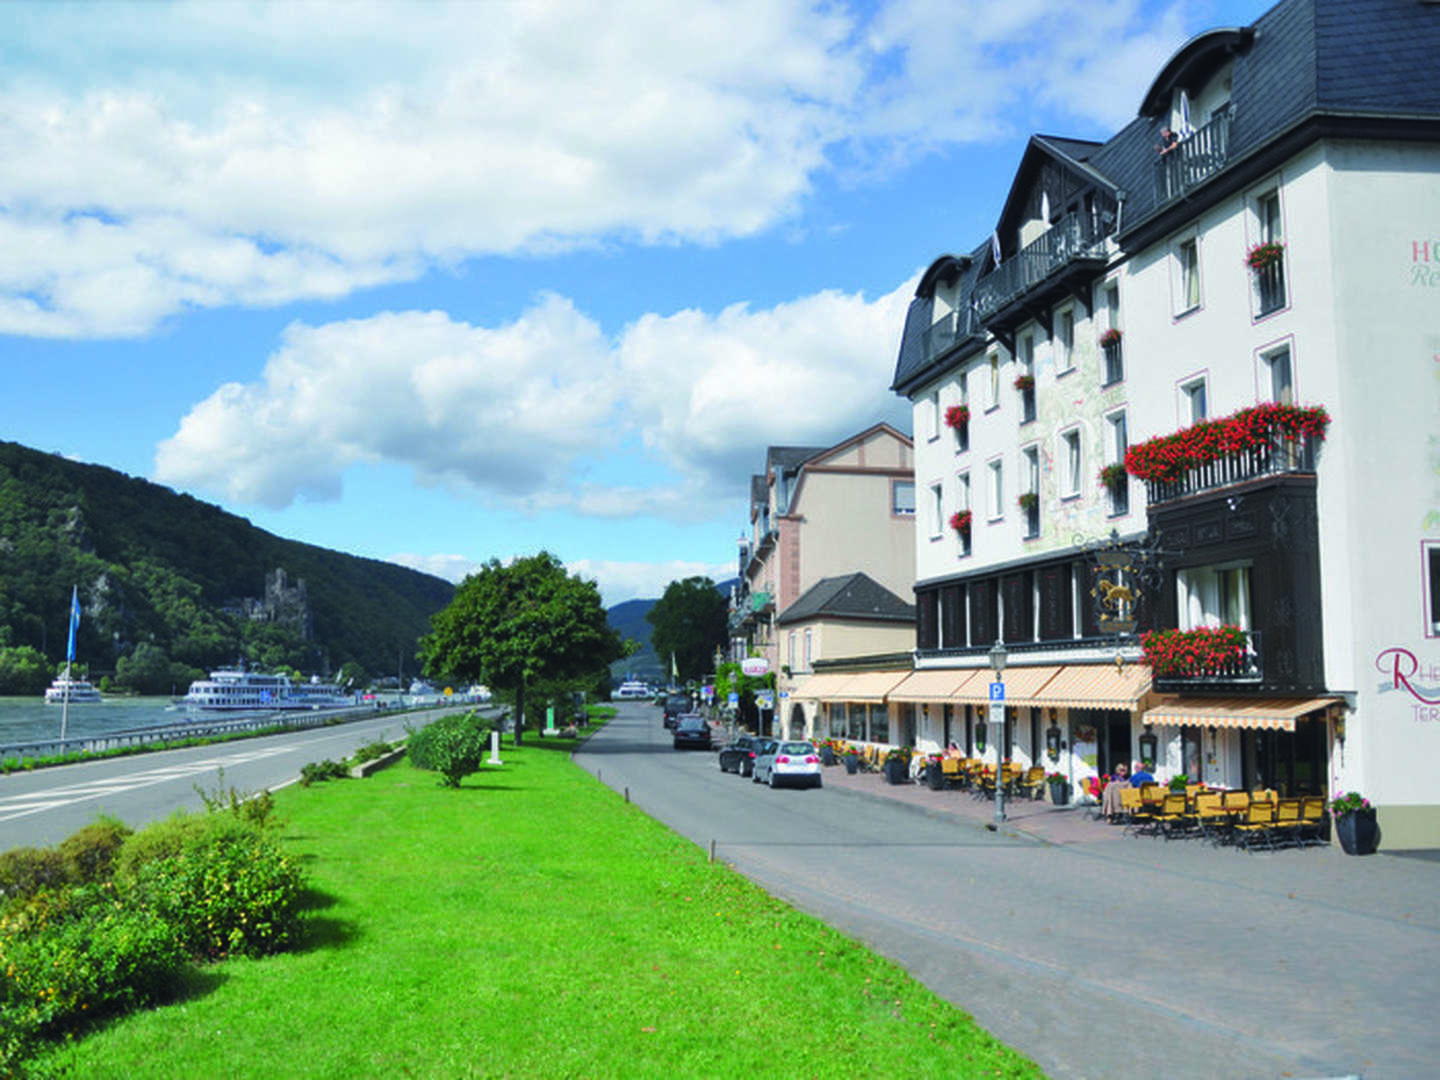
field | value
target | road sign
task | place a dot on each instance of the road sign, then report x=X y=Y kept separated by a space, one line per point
x=755 y=665
x=734 y=698
x=997 y=713
x=997 y=691
x=764 y=699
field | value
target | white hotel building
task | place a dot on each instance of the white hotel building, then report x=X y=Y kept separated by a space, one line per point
x=1316 y=129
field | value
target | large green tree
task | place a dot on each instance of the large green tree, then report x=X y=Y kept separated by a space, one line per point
x=513 y=626
x=690 y=622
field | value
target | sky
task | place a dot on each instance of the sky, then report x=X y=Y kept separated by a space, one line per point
x=439 y=283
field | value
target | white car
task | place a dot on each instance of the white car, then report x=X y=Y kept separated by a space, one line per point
x=788 y=763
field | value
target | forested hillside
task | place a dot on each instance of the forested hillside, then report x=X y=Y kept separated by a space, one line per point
x=169 y=572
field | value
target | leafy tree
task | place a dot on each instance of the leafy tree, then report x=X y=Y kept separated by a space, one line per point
x=691 y=622
x=352 y=674
x=731 y=678
x=512 y=626
x=146 y=670
x=23 y=671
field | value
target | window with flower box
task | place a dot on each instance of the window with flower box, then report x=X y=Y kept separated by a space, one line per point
x=1266 y=258
x=1114 y=478
x=1112 y=353
x=1030 y=498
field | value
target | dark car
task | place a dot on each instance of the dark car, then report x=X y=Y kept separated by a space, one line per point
x=674 y=705
x=738 y=755
x=692 y=730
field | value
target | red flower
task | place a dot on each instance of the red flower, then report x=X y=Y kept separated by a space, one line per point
x=957 y=416
x=960 y=521
x=1169 y=457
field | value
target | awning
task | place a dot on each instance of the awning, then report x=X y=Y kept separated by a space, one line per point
x=1096 y=686
x=1277 y=714
x=870 y=686
x=818 y=686
x=1022 y=684
x=934 y=684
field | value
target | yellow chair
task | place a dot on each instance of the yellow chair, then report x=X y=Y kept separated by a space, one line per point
x=1033 y=782
x=1210 y=815
x=1129 y=805
x=1174 y=815
x=1257 y=825
x=1288 y=822
x=1312 y=819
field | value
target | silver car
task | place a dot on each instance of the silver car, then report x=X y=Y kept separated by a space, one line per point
x=780 y=763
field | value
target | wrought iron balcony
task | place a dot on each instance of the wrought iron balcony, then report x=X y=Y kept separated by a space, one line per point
x=1069 y=240
x=946 y=332
x=1193 y=160
x=1278 y=456
x=1271 y=285
x=1248 y=669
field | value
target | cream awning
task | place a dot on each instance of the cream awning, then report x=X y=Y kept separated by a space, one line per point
x=1022 y=684
x=934 y=684
x=1278 y=714
x=1097 y=686
x=815 y=687
x=872 y=686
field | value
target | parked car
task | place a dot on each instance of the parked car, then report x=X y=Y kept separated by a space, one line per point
x=788 y=763
x=674 y=705
x=692 y=729
x=738 y=755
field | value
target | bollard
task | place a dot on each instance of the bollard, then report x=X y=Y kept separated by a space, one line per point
x=494 y=758
x=712 y=850
x=627 y=794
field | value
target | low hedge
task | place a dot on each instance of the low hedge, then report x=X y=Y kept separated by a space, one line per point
x=453 y=746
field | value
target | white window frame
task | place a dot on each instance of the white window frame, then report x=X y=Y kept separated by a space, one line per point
x=992 y=360
x=1190 y=389
x=995 y=509
x=1186 y=262
x=896 y=510
x=932 y=417
x=962 y=502
x=1203 y=593
x=937 y=510
x=1267 y=371
x=809 y=656
x=1430 y=586
x=1072 y=463
x=1117 y=442
x=1065 y=340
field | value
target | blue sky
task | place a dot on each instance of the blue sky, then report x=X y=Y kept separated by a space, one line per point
x=437 y=283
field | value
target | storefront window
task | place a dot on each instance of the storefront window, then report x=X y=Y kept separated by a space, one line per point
x=879 y=723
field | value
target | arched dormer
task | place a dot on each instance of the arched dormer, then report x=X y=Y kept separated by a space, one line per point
x=945 y=270
x=1193 y=67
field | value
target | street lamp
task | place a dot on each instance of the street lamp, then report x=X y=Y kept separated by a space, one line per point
x=998 y=656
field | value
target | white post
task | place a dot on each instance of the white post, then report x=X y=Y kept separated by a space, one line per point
x=494 y=758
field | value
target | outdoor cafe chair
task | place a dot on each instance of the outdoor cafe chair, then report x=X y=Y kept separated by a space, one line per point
x=1210 y=815
x=1033 y=783
x=1256 y=826
x=1288 y=822
x=1312 y=819
x=1174 y=816
x=1129 y=804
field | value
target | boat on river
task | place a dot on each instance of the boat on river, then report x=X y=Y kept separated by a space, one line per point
x=238 y=690
x=76 y=691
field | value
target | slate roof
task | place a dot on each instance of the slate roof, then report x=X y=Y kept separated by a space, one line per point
x=856 y=596
x=1364 y=67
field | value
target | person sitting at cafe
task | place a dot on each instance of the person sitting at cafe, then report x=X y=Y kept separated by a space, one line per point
x=1110 y=798
x=953 y=751
x=1142 y=775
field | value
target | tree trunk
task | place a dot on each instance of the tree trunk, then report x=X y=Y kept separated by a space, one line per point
x=519 y=709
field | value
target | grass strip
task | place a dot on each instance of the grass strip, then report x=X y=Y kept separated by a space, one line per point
x=531 y=923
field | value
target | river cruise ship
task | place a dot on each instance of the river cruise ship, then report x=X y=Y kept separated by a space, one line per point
x=236 y=690
x=76 y=691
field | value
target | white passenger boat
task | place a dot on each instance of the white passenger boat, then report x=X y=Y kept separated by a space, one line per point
x=632 y=689
x=237 y=690
x=75 y=691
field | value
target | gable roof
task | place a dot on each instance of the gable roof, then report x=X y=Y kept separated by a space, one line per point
x=855 y=596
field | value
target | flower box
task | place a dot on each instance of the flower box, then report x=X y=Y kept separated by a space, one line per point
x=1110 y=337
x=960 y=521
x=1028 y=501
x=1113 y=476
x=1170 y=457
x=1214 y=651
x=1265 y=255
x=957 y=416
x=1024 y=383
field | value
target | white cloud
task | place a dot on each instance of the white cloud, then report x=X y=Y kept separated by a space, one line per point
x=516 y=413
x=160 y=158
x=450 y=567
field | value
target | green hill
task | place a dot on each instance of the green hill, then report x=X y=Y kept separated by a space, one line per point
x=162 y=569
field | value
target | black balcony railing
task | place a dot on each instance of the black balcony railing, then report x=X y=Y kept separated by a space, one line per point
x=1072 y=237
x=946 y=331
x=1244 y=670
x=1194 y=159
x=1279 y=455
x=1270 y=282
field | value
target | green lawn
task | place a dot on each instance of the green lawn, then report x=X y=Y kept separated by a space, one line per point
x=533 y=924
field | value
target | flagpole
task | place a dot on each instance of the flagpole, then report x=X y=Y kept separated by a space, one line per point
x=69 y=658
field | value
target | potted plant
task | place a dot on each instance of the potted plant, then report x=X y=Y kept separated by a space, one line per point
x=852 y=760
x=957 y=416
x=934 y=773
x=1025 y=383
x=1112 y=476
x=1179 y=782
x=827 y=751
x=1110 y=337
x=960 y=521
x=897 y=765
x=1028 y=501
x=1059 y=788
x=1355 y=823
x=1264 y=255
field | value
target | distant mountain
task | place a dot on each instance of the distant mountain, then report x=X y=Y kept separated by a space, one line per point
x=157 y=567
x=629 y=619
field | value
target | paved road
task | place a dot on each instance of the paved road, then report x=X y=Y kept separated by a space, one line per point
x=44 y=807
x=1094 y=958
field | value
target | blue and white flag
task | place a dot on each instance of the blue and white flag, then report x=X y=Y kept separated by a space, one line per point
x=995 y=246
x=74 y=622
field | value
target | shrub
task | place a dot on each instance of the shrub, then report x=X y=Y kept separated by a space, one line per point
x=25 y=871
x=77 y=953
x=225 y=894
x=453 y=746
x=254 y=807
x=90 y=853
x=322 y=770
x=370 y=751
x=169 y=838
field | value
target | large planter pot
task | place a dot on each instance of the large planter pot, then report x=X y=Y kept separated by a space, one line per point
x=1060 y=792
x=934 y=776
x=827 y=756
x=897 y=771
x=1359 y=832
x=852 y=763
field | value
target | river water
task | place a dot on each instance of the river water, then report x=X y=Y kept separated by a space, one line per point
x=26 y=719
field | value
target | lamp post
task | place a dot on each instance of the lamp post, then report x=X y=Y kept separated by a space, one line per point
x=998 y=656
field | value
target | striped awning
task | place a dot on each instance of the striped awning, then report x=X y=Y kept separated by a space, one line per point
x=1097 y=686
x=1278 y=714
x=815 y=687
x=1022 y=684
x=933 y=684
x=870 y=686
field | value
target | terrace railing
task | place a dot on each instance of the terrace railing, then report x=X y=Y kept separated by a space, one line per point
x=1193 y=160
x=1070 y=238
x=1275 y=457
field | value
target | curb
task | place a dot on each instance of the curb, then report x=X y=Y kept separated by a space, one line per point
x=365 y=768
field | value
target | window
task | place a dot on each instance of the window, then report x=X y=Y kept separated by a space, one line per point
x=1065 y=341
x=1430 y=569
x=902 y=497
x=994 y=361
x=1275 y=368
x=807 y=649
x=1117 y=441
x=1193 y=404
x=1030 y=464
x=997 y=490
x=962 y=433
x=1270 y=280
x=1113 y=353
x=962 y=503
x=937 y=511
x=1214 y=596
x=1026 y=370
x=932 y=415
x=1070 y=460
x=1187 y=259
x=792 y=650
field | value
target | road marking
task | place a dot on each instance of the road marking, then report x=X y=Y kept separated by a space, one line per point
x=16 y=806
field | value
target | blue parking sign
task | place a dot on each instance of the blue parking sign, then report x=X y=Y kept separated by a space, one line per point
x=997 y=691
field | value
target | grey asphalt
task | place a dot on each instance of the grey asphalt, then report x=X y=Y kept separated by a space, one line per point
x=1093 y=952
